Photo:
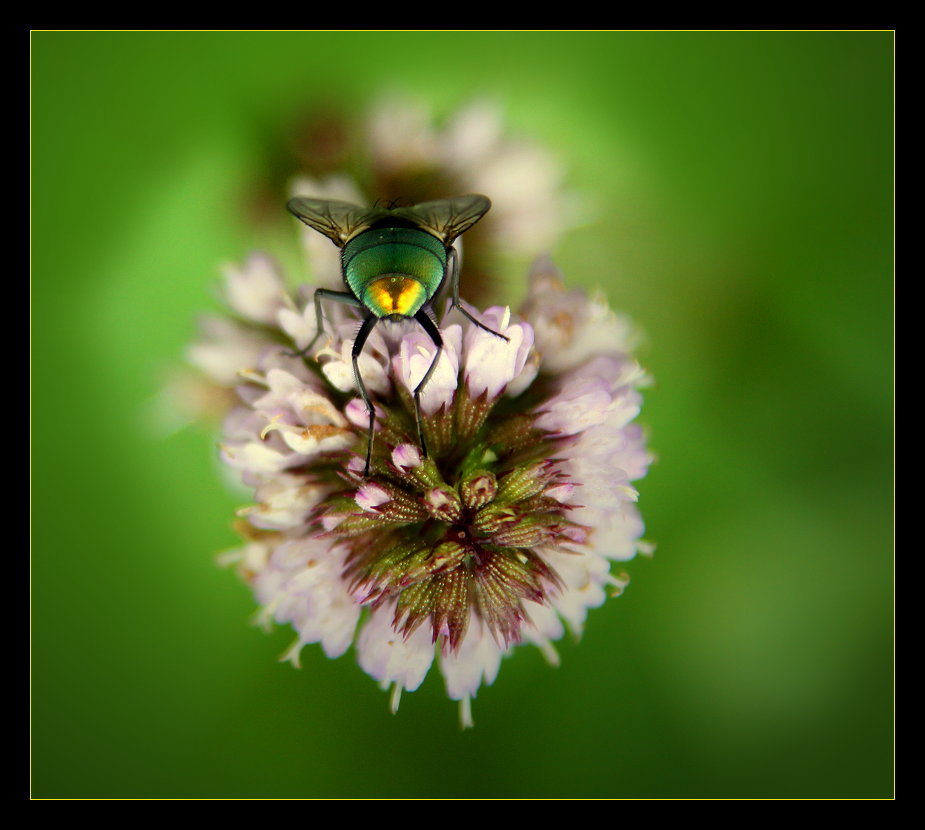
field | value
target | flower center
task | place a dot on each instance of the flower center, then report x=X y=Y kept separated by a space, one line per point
x=462 y=532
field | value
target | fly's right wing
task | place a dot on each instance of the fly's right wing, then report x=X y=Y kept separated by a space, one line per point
x=446 y=218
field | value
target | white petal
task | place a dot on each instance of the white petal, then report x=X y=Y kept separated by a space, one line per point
x=302 y=584
x=416 y=353
x=390 y=658
x=491 y=362
x=475 y=662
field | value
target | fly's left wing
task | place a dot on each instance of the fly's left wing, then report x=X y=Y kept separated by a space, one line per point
x=337 y=220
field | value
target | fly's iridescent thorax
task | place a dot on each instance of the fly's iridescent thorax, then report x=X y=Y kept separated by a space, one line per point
x=394 y=271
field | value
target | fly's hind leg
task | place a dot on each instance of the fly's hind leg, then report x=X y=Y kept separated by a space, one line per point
x=433 y=332
x=453 y=271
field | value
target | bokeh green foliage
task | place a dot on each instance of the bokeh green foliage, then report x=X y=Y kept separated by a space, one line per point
x=744 y=193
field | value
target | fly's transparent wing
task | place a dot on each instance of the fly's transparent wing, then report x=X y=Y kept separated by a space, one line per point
x=339 y=221
x=446 y=218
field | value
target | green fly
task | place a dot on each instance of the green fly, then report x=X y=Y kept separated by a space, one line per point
x=394 y=261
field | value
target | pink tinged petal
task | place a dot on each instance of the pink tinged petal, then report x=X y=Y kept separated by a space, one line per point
x=476 y=661
x=575 y=534
x=312 y=408
x=357 y=414
x=604 y=488
x=561 y=492
x=287 y=361
x=309 y=439
x=254 y=447
x=308 y=421
x=612 y=368
x=255 y=456
x=602 y=332
x=594 y=393
x=616 y=368
x=242 y=424
x=627 y=404
x=595 y=460
x=583 y=403
x=302 y=585
x=415 y=355
x=356 y=466
x=389 y=657
x=492 y=363
x=617 y=533
x=283 y=502
x=330 y=521
x=407 y=457
x=284 y=389
x=444 y=504
x=332 y=624
x=635 y=458
x=314 y=439
x=527 y=375
x=256 y=290
x=583 y=579
x=370 y=496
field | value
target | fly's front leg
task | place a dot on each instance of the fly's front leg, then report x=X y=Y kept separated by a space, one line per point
x=358 y=344
x=453 y=271
x=325 y=294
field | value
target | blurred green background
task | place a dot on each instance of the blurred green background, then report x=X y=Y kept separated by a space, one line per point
x=745 y=189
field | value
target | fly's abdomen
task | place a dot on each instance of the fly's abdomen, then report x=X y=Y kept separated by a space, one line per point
x=394 y=271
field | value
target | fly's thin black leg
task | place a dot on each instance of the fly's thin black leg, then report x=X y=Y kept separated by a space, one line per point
x=433 y=332
x=358 y=344
x=453 y=270
x=325 y=294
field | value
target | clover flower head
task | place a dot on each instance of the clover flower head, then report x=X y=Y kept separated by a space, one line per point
x=505 y=532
